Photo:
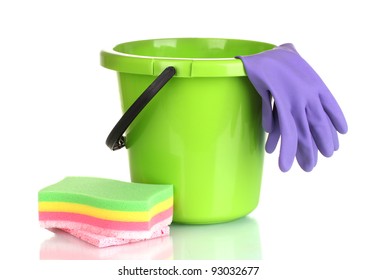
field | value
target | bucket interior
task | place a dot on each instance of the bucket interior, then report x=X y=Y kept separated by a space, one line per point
x=193 y=48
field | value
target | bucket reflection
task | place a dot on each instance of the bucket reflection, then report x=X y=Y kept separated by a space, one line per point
x=235 y=240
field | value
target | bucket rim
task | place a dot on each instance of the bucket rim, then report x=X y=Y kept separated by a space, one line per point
x=185 y=66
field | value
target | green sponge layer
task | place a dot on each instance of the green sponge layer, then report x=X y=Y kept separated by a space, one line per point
x=106 y=193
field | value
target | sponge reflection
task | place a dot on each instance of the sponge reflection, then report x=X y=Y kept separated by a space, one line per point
x=239 y=239
x=63 y=246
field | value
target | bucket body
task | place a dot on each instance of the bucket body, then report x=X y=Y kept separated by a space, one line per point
x=202 y=132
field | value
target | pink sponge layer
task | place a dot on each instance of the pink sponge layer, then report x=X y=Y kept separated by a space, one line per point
x=91 y=229
x=102 y=241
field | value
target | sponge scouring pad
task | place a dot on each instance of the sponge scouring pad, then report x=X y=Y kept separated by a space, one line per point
x=94 y=209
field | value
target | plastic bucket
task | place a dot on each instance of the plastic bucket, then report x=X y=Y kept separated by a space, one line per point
x=202 y=132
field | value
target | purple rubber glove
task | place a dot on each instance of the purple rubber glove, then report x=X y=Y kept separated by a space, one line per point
x=304 y=113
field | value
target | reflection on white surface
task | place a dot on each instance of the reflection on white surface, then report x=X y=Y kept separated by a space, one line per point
x=63 y=246
x=234 y=240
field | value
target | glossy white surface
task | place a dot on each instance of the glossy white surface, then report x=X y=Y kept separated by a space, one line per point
x=234 y=241
x=57 y=105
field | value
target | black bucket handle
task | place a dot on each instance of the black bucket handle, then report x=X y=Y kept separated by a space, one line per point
x=115 y=139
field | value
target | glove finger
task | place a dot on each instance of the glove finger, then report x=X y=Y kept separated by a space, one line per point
x=266 y=98
x=315 y=153
x=289 y=139
x=273 y=137
x=333 y=110
x=267 y=115
x=334 y=136
x=305 y=150
x=320 y=128
x=272 y=141
x=300 y=157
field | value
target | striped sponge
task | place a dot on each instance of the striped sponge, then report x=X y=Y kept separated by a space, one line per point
x=106 y=212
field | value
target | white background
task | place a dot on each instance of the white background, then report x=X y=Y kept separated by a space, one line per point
x=58 y=104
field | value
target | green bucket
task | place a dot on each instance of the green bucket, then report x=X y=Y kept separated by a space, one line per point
x=202 y=131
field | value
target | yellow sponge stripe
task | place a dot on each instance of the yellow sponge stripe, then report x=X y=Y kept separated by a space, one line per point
x=113 y=215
